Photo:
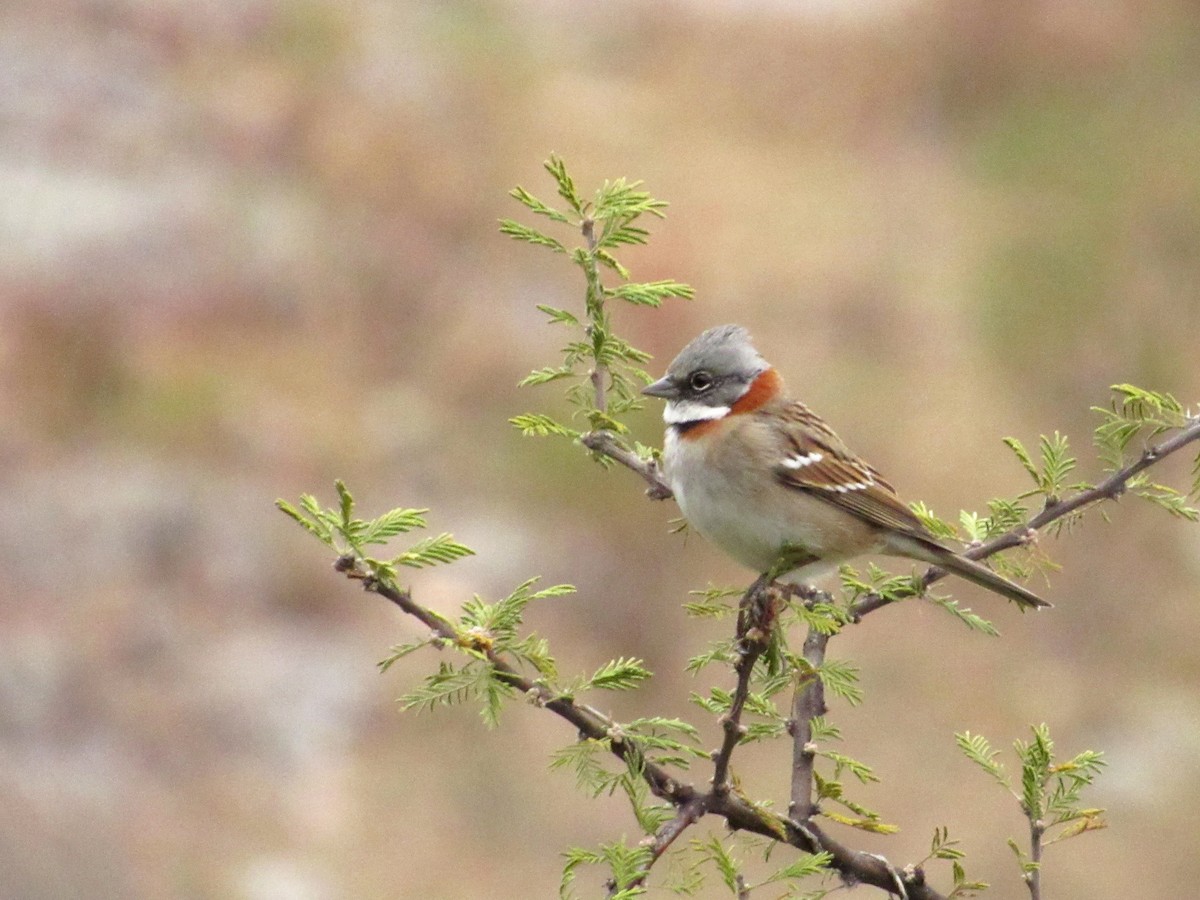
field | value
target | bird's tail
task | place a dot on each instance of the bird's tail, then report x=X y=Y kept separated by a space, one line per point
x=979 y=574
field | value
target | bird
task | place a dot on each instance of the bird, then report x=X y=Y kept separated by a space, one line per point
x=763 y=477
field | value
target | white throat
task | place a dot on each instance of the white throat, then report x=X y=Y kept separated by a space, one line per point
x=680 y=412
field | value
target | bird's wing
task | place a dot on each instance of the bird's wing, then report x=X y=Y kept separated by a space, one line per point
x=815 y=460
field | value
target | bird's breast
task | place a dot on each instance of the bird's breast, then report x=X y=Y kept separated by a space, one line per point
x=731 y=496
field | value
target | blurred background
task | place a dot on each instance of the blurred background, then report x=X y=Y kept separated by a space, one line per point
x=250 y=247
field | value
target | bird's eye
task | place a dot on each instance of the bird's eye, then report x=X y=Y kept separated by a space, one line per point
x=700 y=381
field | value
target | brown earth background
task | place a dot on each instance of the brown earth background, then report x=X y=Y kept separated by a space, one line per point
x=250 y=247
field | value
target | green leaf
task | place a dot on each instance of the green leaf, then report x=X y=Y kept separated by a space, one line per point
x=1024 y=458
x=718 y=651
x=717 y=703
x=619 y=675
x=392 y=523
x=964 y=615
x=346 y=502
x=584 y=758
x=400 y=651
x=1139 y=403
x=545 y=375
x=445 y=687
x=494 y=690
x=977 y=749
x=537 y=425
x=610 y=261
x=559 y=316
x=576 y=857
x=822 y=730
x=843 y=763
x=314 y=528
x=841 y=678
x=1168 y=498
x=861 y=823
x=936 y=526
x=651 y=293
x=712 y=850
x=432 y=551
x=523 y=196
x=1057 y=462
x=530 y=235
x=713 y=602
x=806 y=866
x=566 y=185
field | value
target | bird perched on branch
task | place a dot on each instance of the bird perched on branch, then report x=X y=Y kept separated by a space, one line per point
x=765 y=479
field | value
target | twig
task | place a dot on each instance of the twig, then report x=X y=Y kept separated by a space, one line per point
x=753 y=631
x=1033 y=878
x=691 y=804
x=587 y=721
x=808 y=702
x=595 y=301
x=1111 y=488
x=606 y=442
x=687 y=815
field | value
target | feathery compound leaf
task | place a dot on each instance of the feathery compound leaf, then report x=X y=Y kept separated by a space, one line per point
x=530 y=235
x=584 y=759
x=822 y=730
x=843 y=763
x=977 y=749
x=558 y=316
x=544 y=375
x=713 y=602
x=402 y=650
x=537 y=425
x=432 y=551
x=1153 y=406
x=556 y=590
x=652 y=293
x=937 y=526
x=1168 y=498
x=619 y=675
x=841 y=678
x=1024 y=458
x=805 y=867
x=392 y=523
x=964 y=615
x=718 y=651
x=314 y=527
x=495 y=690
x=523 y=196
x=446 y=687
x=1057 y=461
x=345 y=500
x=875 y=826
x=501 y=619
x=566 y=185
x=607 y=259
x=712 y=850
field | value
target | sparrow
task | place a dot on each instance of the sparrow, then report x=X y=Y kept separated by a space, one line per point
x=763 y=477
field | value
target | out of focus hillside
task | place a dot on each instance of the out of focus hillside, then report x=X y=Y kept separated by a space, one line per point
x=250 y=247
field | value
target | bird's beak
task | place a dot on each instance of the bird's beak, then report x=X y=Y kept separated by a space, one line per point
x=664 y=388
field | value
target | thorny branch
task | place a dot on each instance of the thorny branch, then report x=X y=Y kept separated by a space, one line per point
x=809 y=700
x=690 y=803
x=605 y=443
x=1033 y=878
x=1111 y=488
x=807 y=703
x=753 y=632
